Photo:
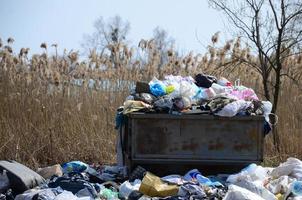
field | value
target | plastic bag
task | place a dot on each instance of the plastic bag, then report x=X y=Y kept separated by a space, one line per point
x=280 y=185
x=257 y=188
x=267 y=109
x=187 y=89
x=66 y=195
x=204 y=81
x=224 y=82
x=252 y=172
x=181 y=103
x=292 y=167
x=74 y=166
x=153 y=186
x=170 y=89
x=163 y=103
x=243 y=93
x=218 y=89
x=233 y=108
x=126 y=188
x=4 y=181
x=48 y=172
x=109 y=194
x=174 y=179
x=193 y=191
x=239 y=193
x=208 y=93
x=296 y=188
x=157 y=87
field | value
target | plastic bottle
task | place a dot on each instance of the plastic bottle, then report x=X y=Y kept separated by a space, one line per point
x=195 y=174
x=296 y=188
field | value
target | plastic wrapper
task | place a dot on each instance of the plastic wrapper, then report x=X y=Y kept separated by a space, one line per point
x=153 y=186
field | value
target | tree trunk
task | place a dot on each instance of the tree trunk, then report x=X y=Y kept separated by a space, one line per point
x=276 y=137
x=265 y=87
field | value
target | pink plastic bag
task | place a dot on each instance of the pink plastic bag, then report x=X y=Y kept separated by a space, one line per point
x=246 y=94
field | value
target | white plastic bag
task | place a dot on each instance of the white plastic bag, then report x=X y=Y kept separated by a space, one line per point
x=233 y=108
x=267 y=109
x=292 y=167
x=208 y=93
x=251 y=173
x=187 y=89
x=224 y=82
x=218 y=89
x=239 y=193
x=280 y=185
x=66 y=195
x=257 y=188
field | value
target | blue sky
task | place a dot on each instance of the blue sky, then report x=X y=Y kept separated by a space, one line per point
x=31 y=22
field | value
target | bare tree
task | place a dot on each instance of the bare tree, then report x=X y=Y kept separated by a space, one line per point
x=158 y=48
x=163 y=41
x=109 y=37
x=273 y=30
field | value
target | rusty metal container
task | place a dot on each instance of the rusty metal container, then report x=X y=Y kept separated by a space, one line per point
x=169 y=144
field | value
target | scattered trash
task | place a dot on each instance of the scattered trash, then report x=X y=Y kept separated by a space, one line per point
x=203 y=94
x=253 y=182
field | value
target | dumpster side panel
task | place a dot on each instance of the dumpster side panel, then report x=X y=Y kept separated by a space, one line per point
x=159 y=139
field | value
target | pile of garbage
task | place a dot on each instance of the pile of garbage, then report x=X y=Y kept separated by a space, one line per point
x=79 y=181
x=203 y=94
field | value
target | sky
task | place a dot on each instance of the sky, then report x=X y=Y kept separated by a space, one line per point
x=30 y=22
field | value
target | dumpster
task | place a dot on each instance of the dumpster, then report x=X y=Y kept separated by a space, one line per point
x=174 y=144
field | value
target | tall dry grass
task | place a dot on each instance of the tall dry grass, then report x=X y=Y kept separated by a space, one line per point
x=47 y=117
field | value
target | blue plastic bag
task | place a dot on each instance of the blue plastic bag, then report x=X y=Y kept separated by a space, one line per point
x=74 y=166
x=157 y=87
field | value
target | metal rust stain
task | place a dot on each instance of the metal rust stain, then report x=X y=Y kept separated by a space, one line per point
x=242 y=146
x=252 y=133
x=192 y=145
x=215 y=145
x=152 y=141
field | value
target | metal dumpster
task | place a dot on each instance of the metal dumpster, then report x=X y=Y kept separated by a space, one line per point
x=168 y=144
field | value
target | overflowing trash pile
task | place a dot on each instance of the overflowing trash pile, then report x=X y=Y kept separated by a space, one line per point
x=78 y=181
x=203 y=94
